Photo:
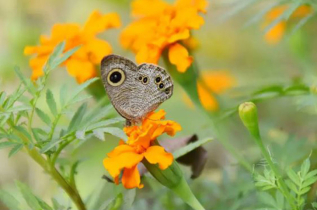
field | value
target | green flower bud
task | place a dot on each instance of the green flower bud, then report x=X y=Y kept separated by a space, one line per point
x=249 y=117
x=169 y=177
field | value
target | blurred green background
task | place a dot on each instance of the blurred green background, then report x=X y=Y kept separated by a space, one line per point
x=224 y=43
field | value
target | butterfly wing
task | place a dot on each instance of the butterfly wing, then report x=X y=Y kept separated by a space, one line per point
x=132 y=89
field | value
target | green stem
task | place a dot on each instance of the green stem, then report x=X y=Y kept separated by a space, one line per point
x=278 y=175
x=188 y=197
x=59 y=150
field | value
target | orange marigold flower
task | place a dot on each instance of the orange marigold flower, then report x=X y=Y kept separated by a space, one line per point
x=159 y=26
x=81 y=64
x=276 y=33
x=127 y=155
x=215 y=82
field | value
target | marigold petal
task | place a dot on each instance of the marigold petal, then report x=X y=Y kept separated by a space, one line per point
x=80 y=69
x=98 y=23
x=302 y=11
x=178 y=55
x=181 y=35
x=157 y=154
x=97 y=49
x=115 y=164
x=275 y=34
x=148 y=54
x=207 y=100
x=131 y=178
x=218 y=81
x=200 y=5
x=61 y=32
x=122 y=148
x=141 y=7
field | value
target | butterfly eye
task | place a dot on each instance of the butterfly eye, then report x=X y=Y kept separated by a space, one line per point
x=161 y=85
x=145 y=80
x=116 y=77
x=158 y=79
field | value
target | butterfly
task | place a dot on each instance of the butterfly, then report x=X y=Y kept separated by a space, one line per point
x=135 y=90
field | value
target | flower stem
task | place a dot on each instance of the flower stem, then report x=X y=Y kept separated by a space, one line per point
x=184 y=192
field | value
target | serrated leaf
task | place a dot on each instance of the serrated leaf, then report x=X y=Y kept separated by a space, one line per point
x=43 y=204
x=81 y=87
x=63 y=95
x=43 y=116
x=268 y=188
x=51 y=62
x=36 y=135
x=99 y=134
x=310 y=174
x=7 y=144
x=305 y=168
x=113 y=131
x=80 y=135
x=15 y=149
x=27 y=83
x=294 y=177
x=29 y=197
x=77 y=118
x=50 y=145
x=2 y=97
x=104 y=123
x=64 y=57
x=51 y=102
x=309 y=181
x=184 y=150
x=16 y=109
x=292 y=186
x=9 y=201
x=79 y=98
x=304 y=190
x=24 y=132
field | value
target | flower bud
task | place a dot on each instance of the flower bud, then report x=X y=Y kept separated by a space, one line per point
x=249 y=117
x=169 y=177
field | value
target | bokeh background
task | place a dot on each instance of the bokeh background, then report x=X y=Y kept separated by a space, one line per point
x=225 y=42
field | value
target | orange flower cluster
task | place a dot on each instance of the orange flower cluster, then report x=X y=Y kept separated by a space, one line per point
x=213 y=82
x=159 y=26
x=276 y=33
x=81 y=64
x=126 y=156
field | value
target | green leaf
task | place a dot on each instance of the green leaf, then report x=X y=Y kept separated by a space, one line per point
x=292 y=186
x=29 y=197
x=190 y=147
x=104 y=123
x=28 y=84
x=266 y=198
x=51 y=63
x=310 y=174
x=279 y=199
x=80 y=135
x=63 y=95
x=7 y=144
x=2 y=97
x=309 y=181
x=15 y=149
x=24 y=132
x=305 y=168
x=236 y=9
x=113 y=131
x=51 y=102
x=99 y=134
x=16 y=109
x=77 y=118
x=44 y=205
x=43 y=116
x=9 y=201
x=81 y=87
x=50 y=145
x=304 y=190
x=36 y=135
x=301 y=23
x=129 y=196
x=65 y=56
x=294 y=177
x=79 y=98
